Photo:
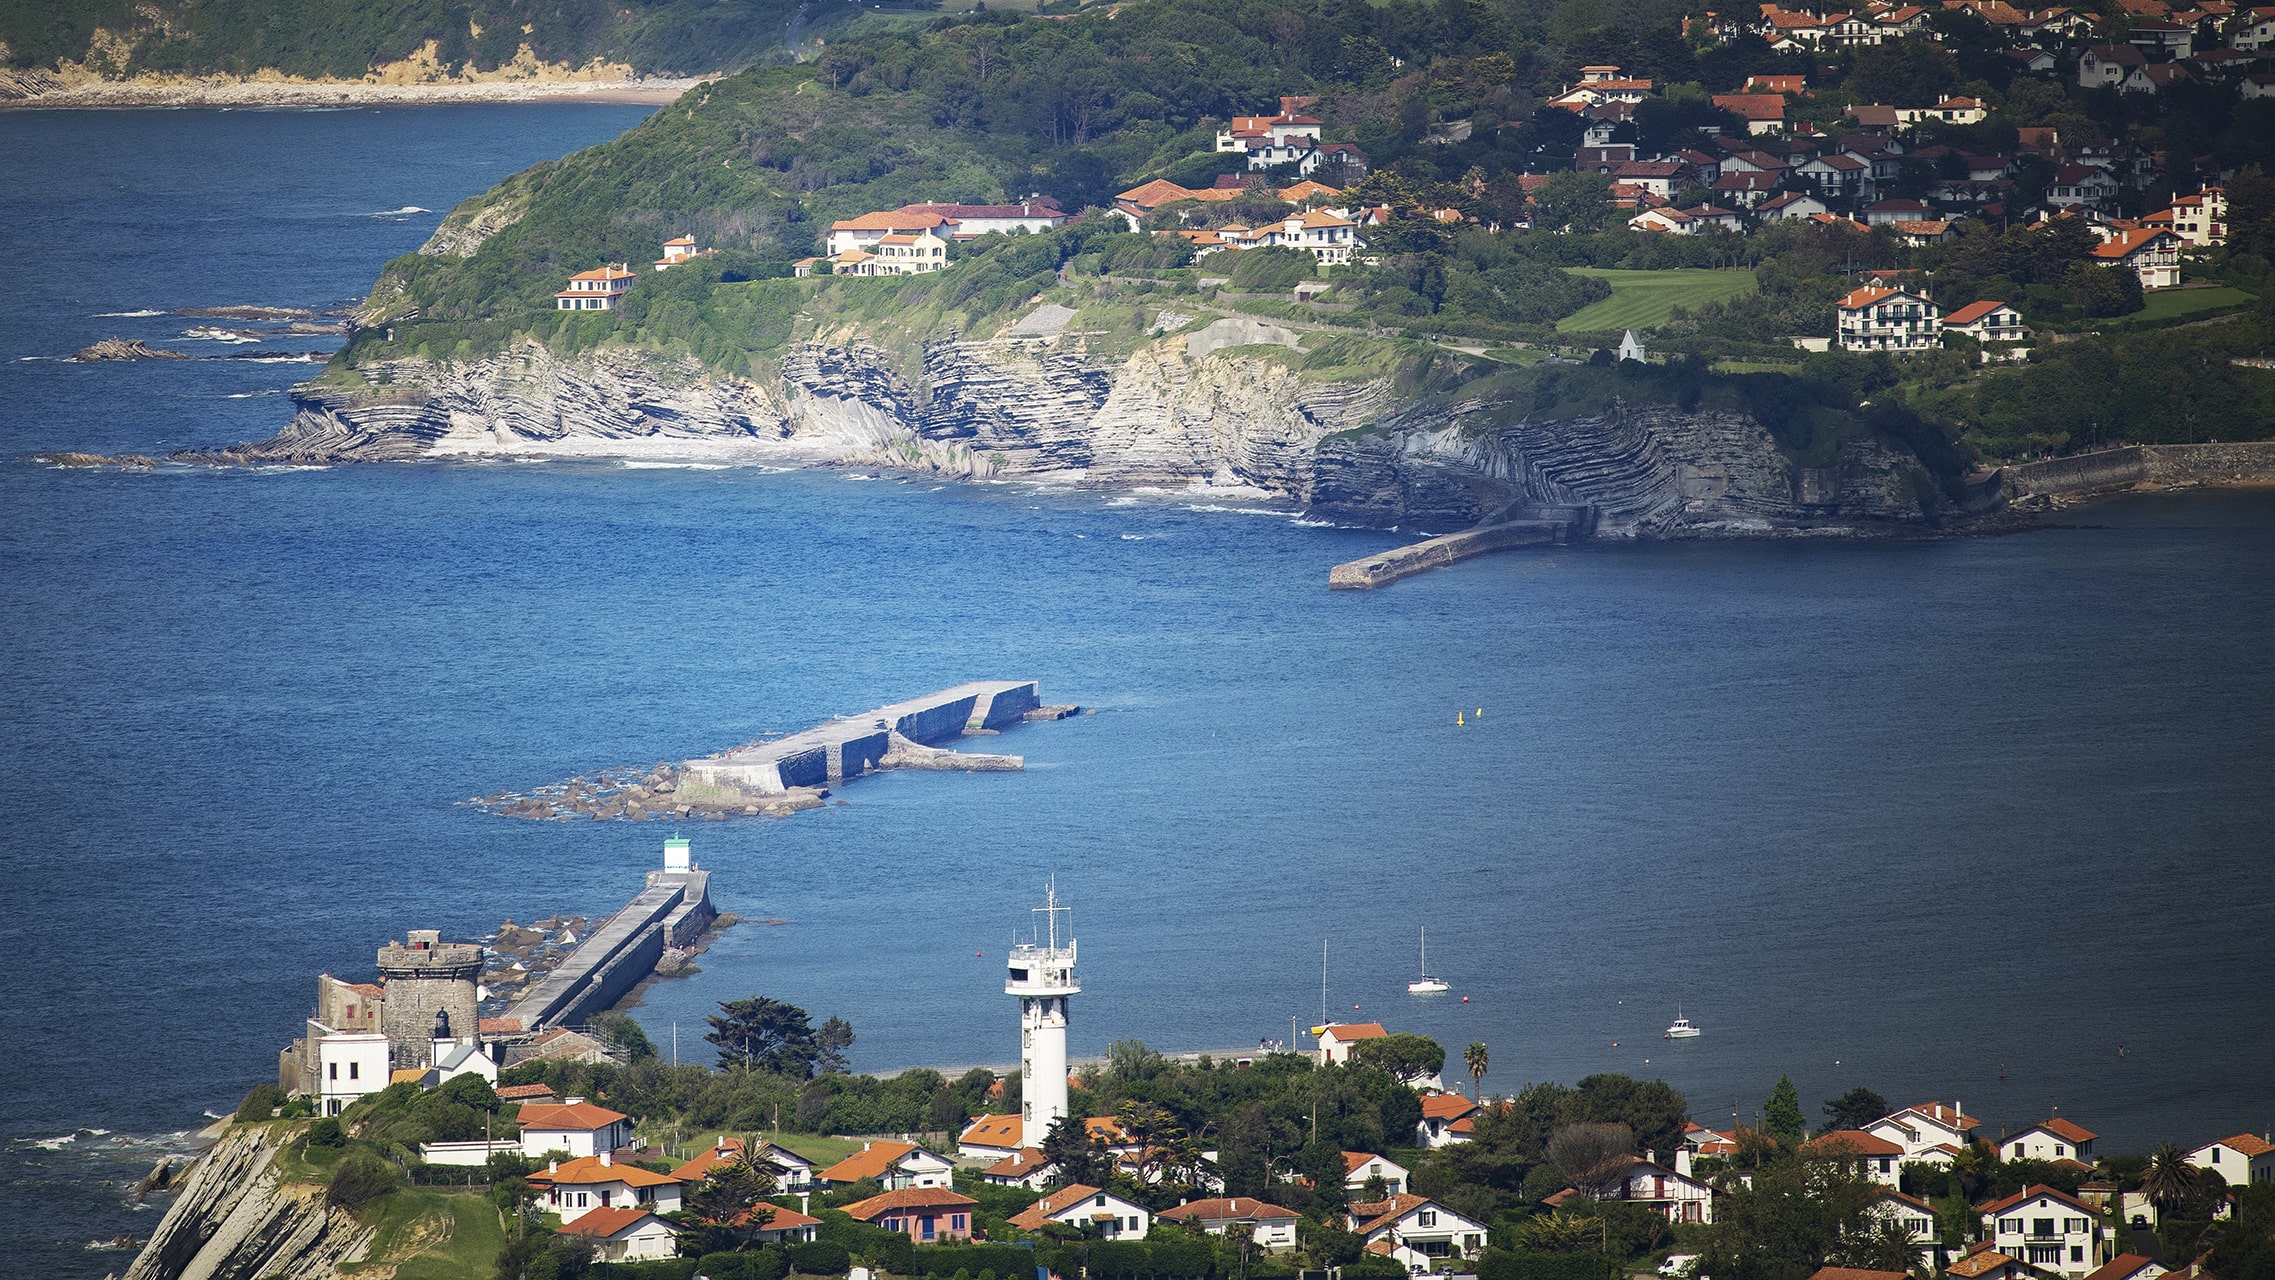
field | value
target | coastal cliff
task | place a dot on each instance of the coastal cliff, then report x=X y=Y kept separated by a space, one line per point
x=1244 y=419
x=235 y=1218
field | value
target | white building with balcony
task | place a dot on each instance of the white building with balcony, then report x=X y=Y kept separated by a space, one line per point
x=2051 y=1230
x=1877 y=319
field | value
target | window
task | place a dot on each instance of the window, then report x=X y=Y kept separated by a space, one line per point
x=355 y=1071
x=957 y=1222
x=332 y=1070
x=2077 y=1253
x=1101 y=1200
x=1425 y=1219
x=2041 y=1226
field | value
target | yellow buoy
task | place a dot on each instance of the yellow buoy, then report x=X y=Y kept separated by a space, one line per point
x=1481 y=713
x=1457 y=718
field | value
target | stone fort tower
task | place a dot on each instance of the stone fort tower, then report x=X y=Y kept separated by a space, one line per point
x=426 y=976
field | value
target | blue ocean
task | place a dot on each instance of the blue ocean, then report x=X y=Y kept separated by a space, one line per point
x=1981 y=819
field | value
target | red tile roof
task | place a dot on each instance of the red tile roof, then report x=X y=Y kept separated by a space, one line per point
x=2119 y=1267
x=1018 y=1164
x=993 y=1131
x=588 y=1170
x=567 y=1115
x=1852 y=1141
x=908 y=1198
x=2057 y=1126
x=1752 y=106
x=2128 y=243
x=2249 y=1145
x=1446 y=1106
x=2030 y=1193
x=499 y=1026
x=604 y=1223
x=1348 y=1031
x=1969 y=314
x=526 y=1093
x=871 y=1161
x=1051 y=1206
x=1978 y=1264
x=1232 y=1209
x=1382 y=1213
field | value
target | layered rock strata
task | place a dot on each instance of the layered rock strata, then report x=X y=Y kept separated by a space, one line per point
x=235 y=1219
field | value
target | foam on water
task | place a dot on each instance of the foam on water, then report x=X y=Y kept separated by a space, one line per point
x=126 y=315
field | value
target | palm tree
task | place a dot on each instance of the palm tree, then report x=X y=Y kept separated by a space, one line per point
x=1476 y=1059
x=2170 y=1181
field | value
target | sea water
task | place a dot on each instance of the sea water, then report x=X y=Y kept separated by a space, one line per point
x=1975 y=818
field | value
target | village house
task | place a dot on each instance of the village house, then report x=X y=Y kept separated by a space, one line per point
x=682 y=249
x=349 y=1064
x=1982 y=1262
x=790 y=1171
x=573 y=1188
x=2049 y=1229
x=1081 y=1206
x=2081 y=186
x=1287 y=126
x=1791 y=205
x=1336 y=1039
x=1915 y=1216
x=1269 y=1225
x=1879 y=319
x=866 y=230
x=2055 y=1139
x=1986 y=322
x=1954 y=110
x=1673 y=1193
x=1359 y=1168
x=572 y=1125
x=1416 y=1231
x=2242 y=1159
x=893 y=1165
x=2254 y=32
x=2202 y=219
x=2105 y=66
x=1838 y=177
x=1702 y=1141
x=595 y=290
x=1870 y=1154
x=623 y=1234
x=1931 y=1131
x=2151 y=253
x=1764 y=113
x=1027 y=1167
x=990 y=1137
x=1032 y=216
x=1688 y=222
x=926 y=1215
x=1440 y=1112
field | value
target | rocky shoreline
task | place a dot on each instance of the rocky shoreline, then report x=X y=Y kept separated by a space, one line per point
x=36 y=90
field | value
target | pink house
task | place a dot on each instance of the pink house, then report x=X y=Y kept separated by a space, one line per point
x=927 y=1215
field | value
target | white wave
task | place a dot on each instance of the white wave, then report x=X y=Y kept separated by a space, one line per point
x=30 y=359
x=1133 y=537
x=211 y=333
x=398 y=213
x=1240 y=511
x=936 y=488
x=278 y=468
x=858 y=476
x=96 y=1133
x=645 y=464
x=125 y=315
x=251 y=395
x=54 y=1144
x=1315 y=524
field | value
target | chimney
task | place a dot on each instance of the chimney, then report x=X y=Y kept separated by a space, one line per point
x=805 y=1199
x=571 y=1101
x=1682 y=1161
x=1650 y=1155
x=606 y=1159
x=553 y=1166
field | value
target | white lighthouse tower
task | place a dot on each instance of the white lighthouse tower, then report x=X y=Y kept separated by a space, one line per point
x=1042 y=976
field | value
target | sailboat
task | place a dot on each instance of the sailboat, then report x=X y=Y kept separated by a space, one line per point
x=1682 y=1029
x=1427 y=985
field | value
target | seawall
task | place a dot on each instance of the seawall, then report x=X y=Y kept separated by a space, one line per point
x=2247 y=462
x=672 y=910
x=1405 y=562
x=848 y=748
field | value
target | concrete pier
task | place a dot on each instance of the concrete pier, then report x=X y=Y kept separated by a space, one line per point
x=618 y=955
x=848 y=748
x=1404 y=562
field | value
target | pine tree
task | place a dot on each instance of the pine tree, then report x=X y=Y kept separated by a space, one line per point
x=1781 y=1115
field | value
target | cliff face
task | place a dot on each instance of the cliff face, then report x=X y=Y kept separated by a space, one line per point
x=234 y=1220
x=1351 y=450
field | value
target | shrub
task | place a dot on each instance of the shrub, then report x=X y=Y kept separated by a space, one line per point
x=820 y=1258
x=361 y=1179
x=327 y=1133
x=260 y=1104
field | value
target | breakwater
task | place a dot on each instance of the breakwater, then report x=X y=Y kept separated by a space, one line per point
x=2248 y=462
x=842 y=750
x=670 y=912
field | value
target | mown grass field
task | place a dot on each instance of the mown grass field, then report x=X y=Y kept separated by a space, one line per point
x=1643 y=300
x=2173 y=304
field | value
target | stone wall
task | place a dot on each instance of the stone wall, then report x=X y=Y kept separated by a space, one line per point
x=2103 y=469
x=2244 y=463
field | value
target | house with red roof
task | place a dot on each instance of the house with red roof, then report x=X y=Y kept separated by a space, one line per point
x=1991 y=321
x=1033 y=215
x=2242 y=1159
x=623 y=1234
x=1856 y=1273
x=865 y=231
x=1762 y=112
x=1415 y=1231
x=2055 y=1139
x=895 y=1165
x=1792 y=206
x=2152 y=253
x=1269 y=1225
x=573 y=1188
x=1359 y=1167
x=595 y=290
x=574 y=1125
x=1336 y=1039
x=1702 y=1141
x=1870 y=1154
x=926 y=1215
x=2202 y=219
x=1080 y=1206
x=1983 y=1262
x=1674 y=1194
x=2129 y=1266
x=1952 y=110
x=1027 y=1167
x=1874 y=318
x=1916 y=1217
x=2049 y=1229
x=1931 y=1131
x=990 y=1137
x=790 y=1171
x=1440 y=1112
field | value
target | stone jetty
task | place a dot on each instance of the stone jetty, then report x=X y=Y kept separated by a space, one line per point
x=1420 y=557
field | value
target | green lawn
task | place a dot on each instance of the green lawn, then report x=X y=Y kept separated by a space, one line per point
x=1643 y=300
x=425 y=1233
x=2173 y=304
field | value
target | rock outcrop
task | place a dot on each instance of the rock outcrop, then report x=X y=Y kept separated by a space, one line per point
x=235 y=1219
x=125 y=349
x=1224 y=412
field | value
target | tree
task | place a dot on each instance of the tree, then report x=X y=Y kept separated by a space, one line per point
x=1855 y=1109
x=727 y=1204
x=1793 y=1216
x=261 y=1103
x=1409 y=1057
x=624 y=1039
x=1076 y=1154
x=1592 y=1156
x=1130 y=1060
x=1476 y=1059
x=2173 y=1184
x=1579 y=201
x=1781 y=1115
x=830 y=1044
x=765 y=1034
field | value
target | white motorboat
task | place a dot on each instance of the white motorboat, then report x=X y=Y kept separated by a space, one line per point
x=1427 y=985
x=1681 y=1030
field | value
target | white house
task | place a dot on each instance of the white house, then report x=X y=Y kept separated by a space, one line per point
x=2152 y=253
x=349 y=1064
x=624 y=1234
x=1033 y=215
x=1631 y=348
x=595 y=290
x=454 y=1056
x=1416 y=1231
x=2130 y=1266
x=1270 y=1226
x=2049 y=1229
x=1877 y=319
x=1874 y=1156
x=1026 y=1167
x=990 y=1137
x=791 y=1171
x=1949 y=111
x=572 y=1125
x=2241 y=1159
x=897 y=1166
x=1324 y=234
x=1915 y=1216
x=899 y=253
x=1671 y=1192
x=2202 y=219
x=1931 y=1131
x=1791 y=206
x=2055 y=1139
x=1336 y=1039
x=2105 y=66
x=1089 y=1207
x=2075 y=185
x=860 y=233
x=1839 y=176
x=1440 y=1113
x=1359 y=1167
x=681 y=249
x=574 y=1188
x=2254 y=31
